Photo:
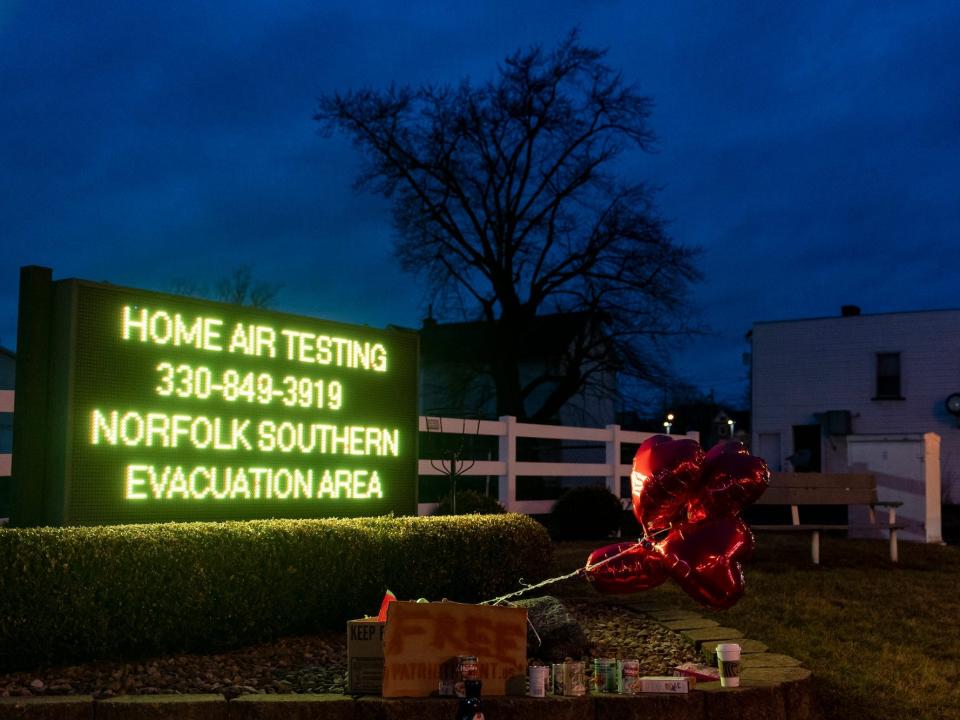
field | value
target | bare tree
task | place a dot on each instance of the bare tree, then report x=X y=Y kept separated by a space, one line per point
x=237 y=288
x=512 y=198
x=188 y=286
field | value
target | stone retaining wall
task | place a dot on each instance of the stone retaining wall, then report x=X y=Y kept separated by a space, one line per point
x=756 y=700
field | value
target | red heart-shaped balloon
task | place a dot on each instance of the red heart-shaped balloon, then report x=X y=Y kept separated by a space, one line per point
x=666 y=473
x=643 y=461
x=705 y=559
x=638 y=568
x=696 y=499
x=732 y=479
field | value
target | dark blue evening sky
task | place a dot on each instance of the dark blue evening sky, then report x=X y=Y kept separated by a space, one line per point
x=812 y=150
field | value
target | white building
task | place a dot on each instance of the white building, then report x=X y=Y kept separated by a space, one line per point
x=830 y=393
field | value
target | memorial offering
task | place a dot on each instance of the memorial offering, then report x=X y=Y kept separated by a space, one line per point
x=419 y=649
x=574 y=679
x=569 y=678
x=607 y=675
x=630 y=676
x=538 y=681
x=471 y=706
x=728 y=660
x=688 y=504
x=454 y=674
x=422 y=639
x=664 y=684
x=697 y=672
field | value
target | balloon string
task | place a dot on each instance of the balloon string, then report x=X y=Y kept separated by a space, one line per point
x=579 y=571
x=527 y=588
x=646 y=541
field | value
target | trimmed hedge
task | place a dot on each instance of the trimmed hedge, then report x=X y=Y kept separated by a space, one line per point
x=82 y=593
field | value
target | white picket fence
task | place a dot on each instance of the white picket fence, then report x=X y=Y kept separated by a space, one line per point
x=507 y=430
x=507 y=468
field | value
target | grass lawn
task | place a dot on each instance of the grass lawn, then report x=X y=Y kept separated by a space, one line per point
x=882 y=640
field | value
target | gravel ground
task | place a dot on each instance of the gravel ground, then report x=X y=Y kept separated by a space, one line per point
x=620 y=633
x=315 y=663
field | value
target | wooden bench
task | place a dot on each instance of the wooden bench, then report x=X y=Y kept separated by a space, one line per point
x=805 y=489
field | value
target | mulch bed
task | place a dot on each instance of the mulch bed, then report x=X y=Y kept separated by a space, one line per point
x=317 y=663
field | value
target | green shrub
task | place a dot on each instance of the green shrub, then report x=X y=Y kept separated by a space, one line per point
x=470 y=502
x=585 y=513
x=74 y=594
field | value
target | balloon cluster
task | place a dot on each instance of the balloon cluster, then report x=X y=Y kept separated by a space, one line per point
x=688 y=504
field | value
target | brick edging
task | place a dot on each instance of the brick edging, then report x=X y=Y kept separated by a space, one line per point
x=782 y=701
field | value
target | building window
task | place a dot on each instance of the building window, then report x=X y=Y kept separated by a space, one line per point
x=888 y=376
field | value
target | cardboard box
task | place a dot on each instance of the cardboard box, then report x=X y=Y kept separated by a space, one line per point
x=365 y=656
x=664 y=684
x=421 y=637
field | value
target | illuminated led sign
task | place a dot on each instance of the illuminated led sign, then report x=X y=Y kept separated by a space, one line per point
x=150 y=407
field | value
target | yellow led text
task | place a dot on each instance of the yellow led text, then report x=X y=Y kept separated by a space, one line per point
x=256 y=340
x=176 y=482
x=188 y=381
x=341 y=352
x=161 y=328
x=157 y=429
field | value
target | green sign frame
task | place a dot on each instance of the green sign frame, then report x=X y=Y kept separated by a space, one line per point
x=135 y=406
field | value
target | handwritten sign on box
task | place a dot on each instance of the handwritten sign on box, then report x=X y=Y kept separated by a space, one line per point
x=420 y=637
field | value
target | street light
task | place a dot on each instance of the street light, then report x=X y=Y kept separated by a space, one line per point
x=732 y=425
x=668 y=423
